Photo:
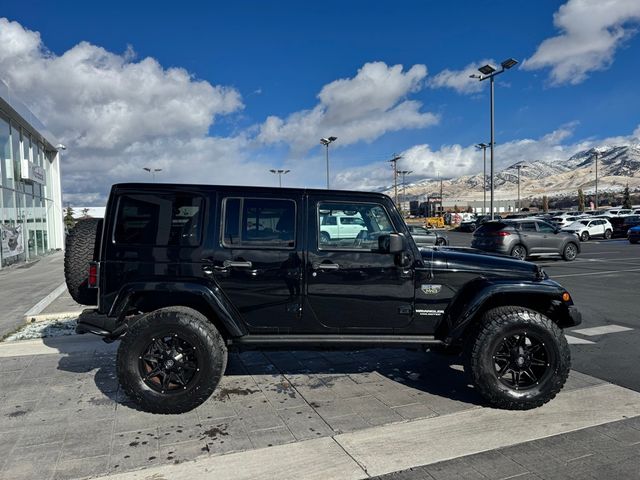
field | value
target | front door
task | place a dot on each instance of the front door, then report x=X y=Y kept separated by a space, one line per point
x=353 y=284
x=257 y=260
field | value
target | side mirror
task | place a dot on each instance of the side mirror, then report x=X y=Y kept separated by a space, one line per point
x=396 y=243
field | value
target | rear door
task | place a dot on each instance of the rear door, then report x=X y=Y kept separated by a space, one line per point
x=551 y=241
x=530 y=237
x=352 y=283
x=257 y=260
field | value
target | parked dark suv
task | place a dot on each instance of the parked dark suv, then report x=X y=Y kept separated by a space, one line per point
x=525 y=238
x=184 y=273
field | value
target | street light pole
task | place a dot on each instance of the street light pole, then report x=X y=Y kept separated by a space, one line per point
x=394 y=161
x=483 y=147
x=404 y=183
x=279 y=172
x=597 y=154
x=152 y=171
x=489 y=71
x=326 y=142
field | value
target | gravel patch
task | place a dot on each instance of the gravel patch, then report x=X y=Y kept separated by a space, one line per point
x=47 y=328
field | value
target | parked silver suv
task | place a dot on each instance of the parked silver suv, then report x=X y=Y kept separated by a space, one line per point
x=524 y=238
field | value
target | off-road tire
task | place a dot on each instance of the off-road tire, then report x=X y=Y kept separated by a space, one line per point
x=607 y=234
x=584 y=236
x=519 y=251
x=195 y=328
x=499 y=323
x=81 y=247
x=325 y=237
x=570 y=252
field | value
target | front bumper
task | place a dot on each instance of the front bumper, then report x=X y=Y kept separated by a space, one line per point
x=574 y=315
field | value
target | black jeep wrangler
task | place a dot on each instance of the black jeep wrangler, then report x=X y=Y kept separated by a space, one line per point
x=184 y=273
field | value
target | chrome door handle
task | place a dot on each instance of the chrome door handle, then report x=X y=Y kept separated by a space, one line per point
x=237 y=264
x=210 y=269
x=326 y=266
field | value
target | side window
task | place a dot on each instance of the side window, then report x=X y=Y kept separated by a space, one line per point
x=159 y=220
x=372 y=219
x=259 y=223
x=328 y=220
x=528 y=227
x=545 y=228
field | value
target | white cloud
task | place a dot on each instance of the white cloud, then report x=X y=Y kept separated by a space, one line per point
x=591 y=32
x=355 y=109
x=117 y=114
x=452 y=161
x=460 y=80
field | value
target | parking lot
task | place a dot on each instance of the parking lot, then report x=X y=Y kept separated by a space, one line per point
x=605 y=283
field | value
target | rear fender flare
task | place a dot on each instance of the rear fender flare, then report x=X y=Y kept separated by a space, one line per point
x=213 y=297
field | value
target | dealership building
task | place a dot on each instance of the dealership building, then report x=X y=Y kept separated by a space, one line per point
x=31 y=217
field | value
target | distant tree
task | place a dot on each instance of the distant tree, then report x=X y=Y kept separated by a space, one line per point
x=580 y=200
x=456 y=209
x=626 y=197
x=85 y=212
x=545 y=203
x=69 y=221
x=469 y=209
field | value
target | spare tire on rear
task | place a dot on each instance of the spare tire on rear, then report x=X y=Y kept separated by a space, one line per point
x=81 y=248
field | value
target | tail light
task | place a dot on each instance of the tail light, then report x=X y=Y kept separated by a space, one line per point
x=93 y=275
x=500 y=234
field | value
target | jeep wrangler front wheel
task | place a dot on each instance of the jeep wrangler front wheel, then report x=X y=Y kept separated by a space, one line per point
x=519 y=358
x=171 y=360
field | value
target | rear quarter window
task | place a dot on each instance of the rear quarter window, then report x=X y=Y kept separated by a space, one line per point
x=159 y=220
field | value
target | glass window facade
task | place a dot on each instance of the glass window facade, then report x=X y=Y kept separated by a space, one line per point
x=26 y=207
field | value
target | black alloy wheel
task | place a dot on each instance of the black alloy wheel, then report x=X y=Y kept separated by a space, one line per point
x=521 y=360
x=607 y=234
x=169 y=363
x=584 y=236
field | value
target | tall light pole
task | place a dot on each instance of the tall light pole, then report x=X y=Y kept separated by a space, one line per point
x=394 y=162
x=279 y=172
x=404 y=183
x=596 y=154
x=326 y=142
x=483 y=147
x=152 y=171
x=519 y=166
x=489 y=71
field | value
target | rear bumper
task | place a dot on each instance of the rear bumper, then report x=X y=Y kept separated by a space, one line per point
x=90 y=321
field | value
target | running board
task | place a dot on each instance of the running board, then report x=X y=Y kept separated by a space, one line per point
x=321 y=340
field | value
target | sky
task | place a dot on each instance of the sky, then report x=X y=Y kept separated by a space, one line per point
x=220 y=93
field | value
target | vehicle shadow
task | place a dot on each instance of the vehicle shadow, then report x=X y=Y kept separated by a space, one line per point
x=416 y=372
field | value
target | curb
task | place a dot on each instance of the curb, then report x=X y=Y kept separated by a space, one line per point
x=52 y=316
x=56 y=345
x=46 y=301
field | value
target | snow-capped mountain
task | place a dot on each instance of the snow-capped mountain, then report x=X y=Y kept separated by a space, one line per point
x=618 y=165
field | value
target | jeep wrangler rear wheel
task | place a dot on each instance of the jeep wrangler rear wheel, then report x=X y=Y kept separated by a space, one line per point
x=171 y=360
x=519 y=358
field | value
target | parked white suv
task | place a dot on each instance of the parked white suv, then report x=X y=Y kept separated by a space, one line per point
x=618 y=212
x=585 y=228
x=340 y=226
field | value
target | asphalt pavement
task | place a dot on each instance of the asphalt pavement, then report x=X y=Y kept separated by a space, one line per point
x=604 y=282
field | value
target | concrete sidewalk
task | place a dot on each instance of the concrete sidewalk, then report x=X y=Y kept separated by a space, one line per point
x=23 y=286
x=280 y=414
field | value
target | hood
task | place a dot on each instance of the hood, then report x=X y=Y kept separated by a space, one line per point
x=486 y=264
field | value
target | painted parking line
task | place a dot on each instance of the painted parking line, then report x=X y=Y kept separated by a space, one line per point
x=603 y=330
x=604 y=272
x=577 y=341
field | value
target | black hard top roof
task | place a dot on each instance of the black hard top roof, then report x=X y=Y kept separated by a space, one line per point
x=176 y=187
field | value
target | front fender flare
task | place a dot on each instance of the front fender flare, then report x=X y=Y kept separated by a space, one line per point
x=474 y=298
